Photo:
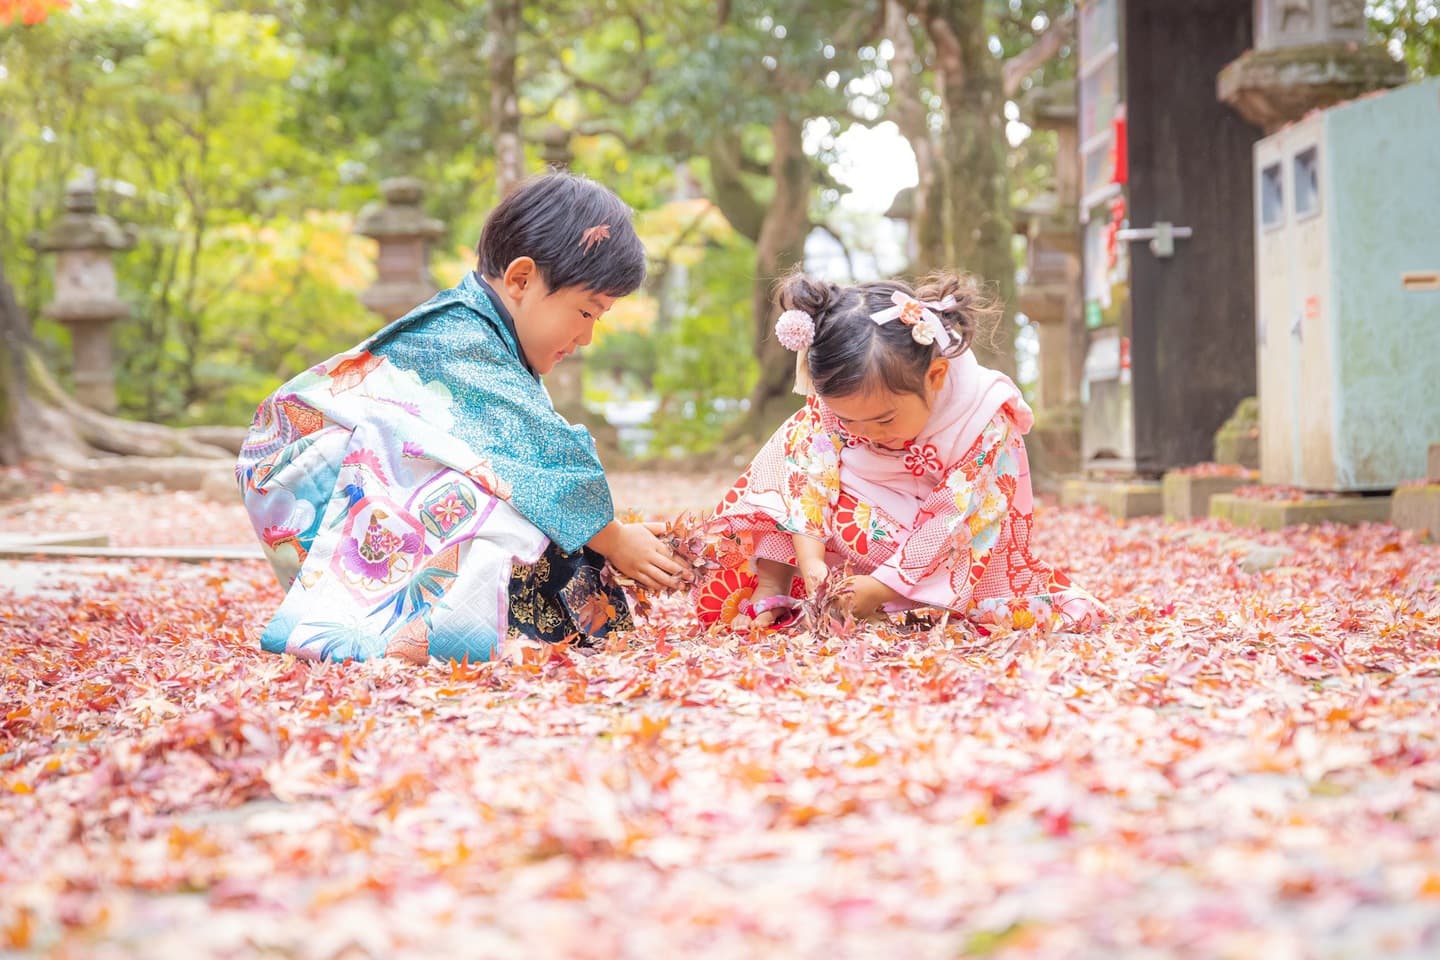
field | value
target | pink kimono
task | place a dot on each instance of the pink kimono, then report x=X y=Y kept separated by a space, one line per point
x=945 y=522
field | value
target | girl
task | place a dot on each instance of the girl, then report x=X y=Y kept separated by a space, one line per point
x=906 y=467
x=418 y=495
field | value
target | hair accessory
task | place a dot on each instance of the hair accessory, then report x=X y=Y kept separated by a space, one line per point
x=593 y=236
x=795 y=330
x=925 y=327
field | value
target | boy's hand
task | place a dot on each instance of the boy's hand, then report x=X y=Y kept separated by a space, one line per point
x=866 y=596
x=637 y=552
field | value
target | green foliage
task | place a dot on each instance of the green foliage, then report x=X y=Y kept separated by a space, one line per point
x=1411 y=30
x=240 y=137
x=180 y=110
x=706 y=360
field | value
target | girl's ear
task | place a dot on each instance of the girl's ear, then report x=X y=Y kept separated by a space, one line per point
x=521 y=273
x=935 y=376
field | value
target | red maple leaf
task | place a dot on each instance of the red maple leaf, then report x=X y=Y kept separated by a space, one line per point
x=594 y=236
x=30 y=12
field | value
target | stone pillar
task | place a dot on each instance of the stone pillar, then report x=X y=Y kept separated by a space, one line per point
x=1308 y=54
x=86 y=295
x=399 y=225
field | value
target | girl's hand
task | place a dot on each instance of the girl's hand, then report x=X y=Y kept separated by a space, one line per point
x=866 y=596
x=637 y=552
x=813 y=572
x=810 y=559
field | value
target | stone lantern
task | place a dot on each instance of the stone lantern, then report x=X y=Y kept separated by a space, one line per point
x=86 y=297
x=399 y=224
x=555 y=147
x=1308 y=54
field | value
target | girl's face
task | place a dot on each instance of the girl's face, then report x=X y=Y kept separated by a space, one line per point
x=551 y=324
x=886 y=419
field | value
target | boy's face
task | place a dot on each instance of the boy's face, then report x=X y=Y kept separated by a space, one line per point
x=551 y=324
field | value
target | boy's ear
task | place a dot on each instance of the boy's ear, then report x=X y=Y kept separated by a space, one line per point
x=521 y=273
x=935 y=376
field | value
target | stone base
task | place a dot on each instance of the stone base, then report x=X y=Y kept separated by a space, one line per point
x=1124 y=499
x=1278 y=514
x=1187 y=497
x=1418 y=508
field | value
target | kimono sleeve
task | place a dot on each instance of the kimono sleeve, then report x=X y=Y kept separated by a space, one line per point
x=958 y=525
x=547 y=467
x=794 y=481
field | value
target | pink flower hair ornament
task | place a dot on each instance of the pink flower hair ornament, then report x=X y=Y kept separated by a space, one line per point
x=795 y=329
x=919 y=315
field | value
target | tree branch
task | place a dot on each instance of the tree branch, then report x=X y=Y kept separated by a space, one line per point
x=734 y=199
x=619 y=98
x=1060 y=32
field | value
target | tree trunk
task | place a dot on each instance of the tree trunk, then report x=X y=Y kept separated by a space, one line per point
x=504 y=95
x=927 y=215
x=973 y=171
x=14 y=341
x=779 y=249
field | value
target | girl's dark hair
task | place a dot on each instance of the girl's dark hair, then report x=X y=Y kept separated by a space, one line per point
x=578 y=233
x=852 y=354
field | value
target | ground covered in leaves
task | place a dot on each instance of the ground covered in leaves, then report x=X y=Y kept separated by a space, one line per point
x=1244 y=765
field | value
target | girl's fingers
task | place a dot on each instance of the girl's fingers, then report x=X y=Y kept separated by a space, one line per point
x=655 y=527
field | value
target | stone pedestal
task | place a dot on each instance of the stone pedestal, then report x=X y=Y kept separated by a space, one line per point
x=1237 y=442
x=1053 y=446
x=403 y=231
x=1417 y=508
x=1124 y=499
x=1308 y=54
x=1187 y=496
x=87 y=299
x=1278 y=514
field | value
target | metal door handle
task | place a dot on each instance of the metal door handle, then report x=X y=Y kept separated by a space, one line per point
x=1161 y=236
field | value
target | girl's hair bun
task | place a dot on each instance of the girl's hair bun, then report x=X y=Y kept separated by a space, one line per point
x=808 y=295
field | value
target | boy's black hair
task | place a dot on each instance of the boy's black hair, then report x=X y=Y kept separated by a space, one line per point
x=853 y=355
x=578 y=233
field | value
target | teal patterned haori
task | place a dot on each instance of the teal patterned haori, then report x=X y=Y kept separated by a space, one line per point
x=396 y=486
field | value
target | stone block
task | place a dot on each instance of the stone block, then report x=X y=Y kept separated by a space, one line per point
x=1418 y=508
x=1187 y=496
x=1123 y=499
x=1279 y=514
